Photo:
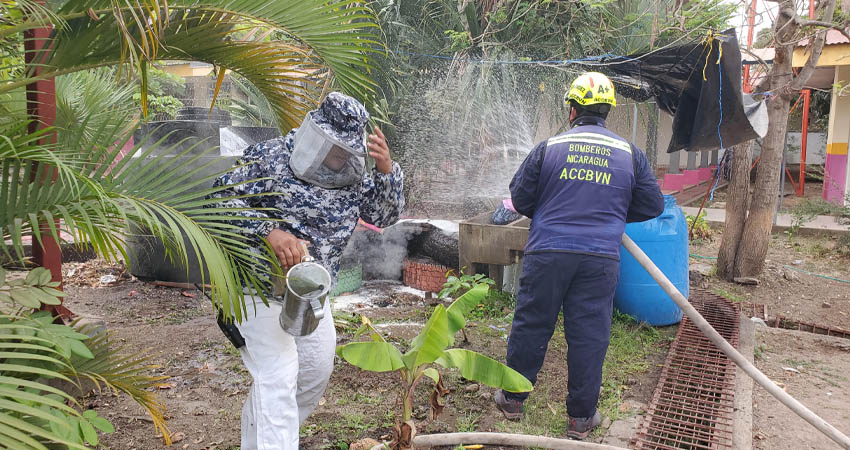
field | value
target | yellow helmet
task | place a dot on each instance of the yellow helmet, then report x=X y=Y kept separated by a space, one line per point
x=591 y=88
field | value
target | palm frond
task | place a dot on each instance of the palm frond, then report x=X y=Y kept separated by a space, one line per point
x=121 y=371
x=98 y=201
x=87 y=101
x=322 y=38
x=34 y=414
x=255 y=108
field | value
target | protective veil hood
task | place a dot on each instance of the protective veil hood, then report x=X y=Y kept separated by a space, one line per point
x=329 y=147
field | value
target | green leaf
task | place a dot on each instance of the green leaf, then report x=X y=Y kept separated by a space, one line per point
x=89 y=433
x=24 y=297
x=44 y=297
x=80 y=349
x=477 y=367
x=44 y=276
x=2 y=276
x=368 y=327
x=459 y=308
x=429 y=344
x=34 y=275
x=372 y=356
x=102 y=424
x=432 y=374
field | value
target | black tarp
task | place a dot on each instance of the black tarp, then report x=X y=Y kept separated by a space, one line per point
x=687 y=82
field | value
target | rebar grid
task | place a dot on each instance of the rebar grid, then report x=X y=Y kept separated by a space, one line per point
x=779 y=321
x=693 y=405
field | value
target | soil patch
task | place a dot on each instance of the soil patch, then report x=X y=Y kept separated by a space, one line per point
x=813 y=369
x=208 y=383
x=789 y=284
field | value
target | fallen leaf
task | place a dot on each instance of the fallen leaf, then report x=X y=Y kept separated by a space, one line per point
x=177 y=437
x=790 y=369
x=167 y=385
x=188 y=294
x=132 y=293
x=322 y=401
x=185 y=446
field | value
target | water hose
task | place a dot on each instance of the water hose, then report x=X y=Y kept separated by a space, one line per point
x=518 y=440
x=730 y=351
x=816 y=274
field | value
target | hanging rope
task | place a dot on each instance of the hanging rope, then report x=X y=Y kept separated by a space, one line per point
x=724 y=166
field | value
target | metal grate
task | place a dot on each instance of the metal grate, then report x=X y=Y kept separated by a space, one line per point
x=692 y=407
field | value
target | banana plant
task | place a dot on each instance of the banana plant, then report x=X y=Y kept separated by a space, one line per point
x=428 y=349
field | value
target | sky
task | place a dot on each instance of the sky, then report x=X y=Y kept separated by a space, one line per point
x=765 y=11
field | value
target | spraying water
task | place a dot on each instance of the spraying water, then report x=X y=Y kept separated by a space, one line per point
x=232 y=144
x=464 y=133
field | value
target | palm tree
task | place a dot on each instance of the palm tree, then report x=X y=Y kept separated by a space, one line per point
x=323 y=43
x=70 y=177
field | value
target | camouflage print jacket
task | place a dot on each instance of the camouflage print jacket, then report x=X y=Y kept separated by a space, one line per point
x=324 y=217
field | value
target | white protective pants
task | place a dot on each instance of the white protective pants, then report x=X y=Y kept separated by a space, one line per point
x=290 y=375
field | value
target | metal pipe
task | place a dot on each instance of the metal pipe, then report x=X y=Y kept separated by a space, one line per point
x=793 y=404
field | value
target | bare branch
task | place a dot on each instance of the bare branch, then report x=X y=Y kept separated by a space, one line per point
x=830 y=25
x=815 y=52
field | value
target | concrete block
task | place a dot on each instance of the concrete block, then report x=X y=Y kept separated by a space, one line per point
x=742 y=427
x=622 y=431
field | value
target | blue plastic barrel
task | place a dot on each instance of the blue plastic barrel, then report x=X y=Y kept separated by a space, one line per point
x=665 y=240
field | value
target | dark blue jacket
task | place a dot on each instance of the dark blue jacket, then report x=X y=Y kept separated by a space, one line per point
x=581 y=187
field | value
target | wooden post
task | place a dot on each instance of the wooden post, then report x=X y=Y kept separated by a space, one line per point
x=41 y=110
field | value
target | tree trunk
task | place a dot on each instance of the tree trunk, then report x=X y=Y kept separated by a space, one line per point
x=755 y=239
x=752 y=249
x=736 y=209
x=746 y=257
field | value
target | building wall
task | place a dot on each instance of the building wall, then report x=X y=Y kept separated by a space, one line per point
x=835 y=171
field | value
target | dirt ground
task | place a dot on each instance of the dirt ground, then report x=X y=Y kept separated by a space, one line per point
x=208 y=382
x=784 y=286
x=814 y=370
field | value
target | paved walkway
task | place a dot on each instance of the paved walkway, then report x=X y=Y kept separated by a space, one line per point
x=820 y=224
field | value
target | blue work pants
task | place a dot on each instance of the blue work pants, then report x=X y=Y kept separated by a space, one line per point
x=582 y=286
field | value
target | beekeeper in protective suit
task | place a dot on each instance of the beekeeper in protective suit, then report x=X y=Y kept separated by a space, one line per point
x=319 y=171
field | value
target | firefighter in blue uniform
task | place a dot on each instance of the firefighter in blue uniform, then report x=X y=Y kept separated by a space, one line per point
x=579 y=188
